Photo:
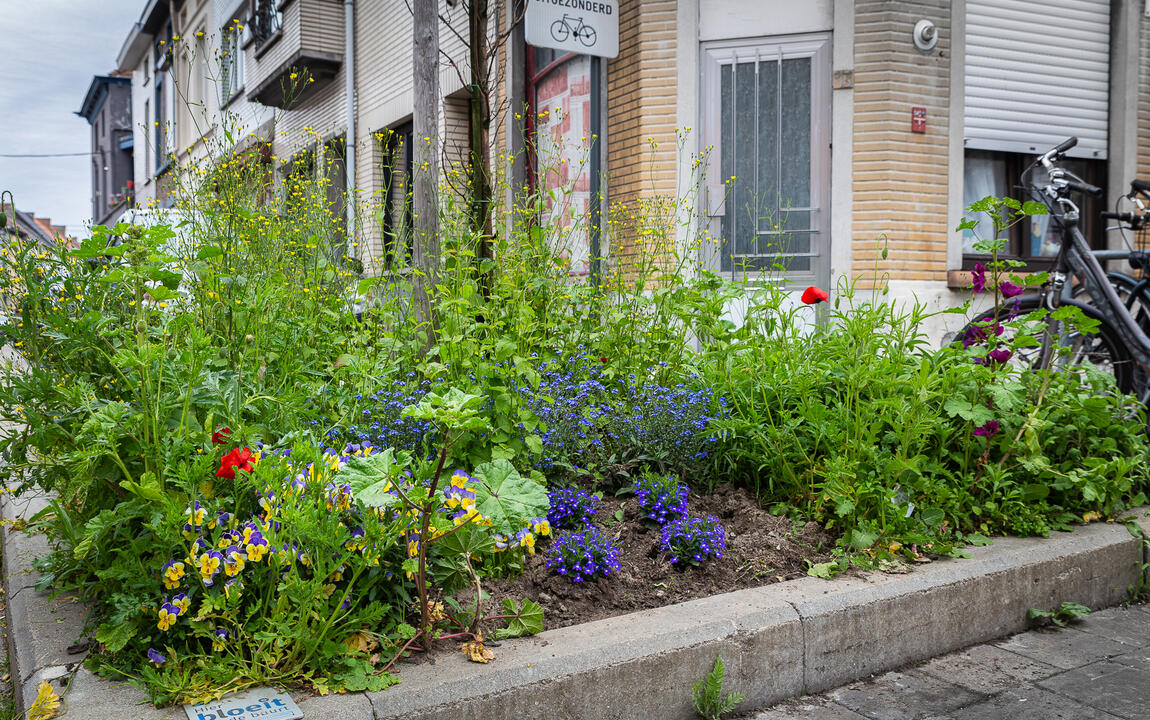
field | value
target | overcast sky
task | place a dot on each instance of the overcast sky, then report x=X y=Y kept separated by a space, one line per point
x=51 y=50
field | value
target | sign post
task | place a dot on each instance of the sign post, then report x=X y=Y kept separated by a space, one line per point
x=587 y=27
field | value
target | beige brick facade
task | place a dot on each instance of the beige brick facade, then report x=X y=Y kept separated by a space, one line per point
x=641 y=91
x=899 y=178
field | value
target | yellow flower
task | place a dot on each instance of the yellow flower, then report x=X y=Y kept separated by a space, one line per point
x=167 y=618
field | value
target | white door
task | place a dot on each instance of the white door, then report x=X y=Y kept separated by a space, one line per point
x=766 y=119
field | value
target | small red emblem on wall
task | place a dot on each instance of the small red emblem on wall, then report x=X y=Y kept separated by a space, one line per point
x=918 y=119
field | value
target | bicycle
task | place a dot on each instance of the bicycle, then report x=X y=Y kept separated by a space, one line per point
x=1121 y=346
x=1133 y=290
x=562 y=29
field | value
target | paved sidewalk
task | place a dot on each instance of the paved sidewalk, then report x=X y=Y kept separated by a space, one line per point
x=1097 y=669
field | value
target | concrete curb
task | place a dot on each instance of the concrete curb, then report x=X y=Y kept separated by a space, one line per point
x=777 y=641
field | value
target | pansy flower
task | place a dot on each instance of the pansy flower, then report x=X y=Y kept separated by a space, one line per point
x=172 y=573
x=209 y=565
x=219 y=638
x=541 y=527
x=233 y=587
x=357 y=541
x=256 y=547
x=156 y=657
x=525 y=538
x=181 y=601
x=233 y=561
x=168 y=615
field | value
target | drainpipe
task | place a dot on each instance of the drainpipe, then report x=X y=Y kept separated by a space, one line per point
x=349 y=140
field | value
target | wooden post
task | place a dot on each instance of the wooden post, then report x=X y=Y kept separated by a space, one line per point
x=425 y=252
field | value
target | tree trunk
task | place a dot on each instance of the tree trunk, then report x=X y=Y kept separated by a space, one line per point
x=479 y=122
x=425 y=175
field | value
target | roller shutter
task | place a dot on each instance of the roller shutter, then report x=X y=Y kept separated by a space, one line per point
x=1036 y=73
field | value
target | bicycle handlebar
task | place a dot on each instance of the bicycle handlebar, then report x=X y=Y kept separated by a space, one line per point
x=1125 y=217
x=1141 y=186
x=1082 y=187
x=1060 y=150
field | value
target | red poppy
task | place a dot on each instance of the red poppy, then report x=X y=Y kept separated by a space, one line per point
x=814 y=296
x=237 y=459
x=603 y=359
x=220 y=437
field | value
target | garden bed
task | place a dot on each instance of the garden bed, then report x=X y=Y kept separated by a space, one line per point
x=761 y=549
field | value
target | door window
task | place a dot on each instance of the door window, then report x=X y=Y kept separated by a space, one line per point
x=766 y=118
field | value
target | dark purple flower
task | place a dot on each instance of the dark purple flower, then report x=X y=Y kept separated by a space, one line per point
x=1015 y=308
x=978 y=277
x=1009 y=289
x=156 y=657
x=989 y=429
x=995 y=357
x=977 y=334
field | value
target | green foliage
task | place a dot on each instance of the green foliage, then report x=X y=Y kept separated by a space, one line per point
x=710 y=701
x=1061 y=616
x=526 y=619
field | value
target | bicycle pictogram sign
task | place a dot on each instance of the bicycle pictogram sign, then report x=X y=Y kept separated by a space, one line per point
x=569 y=26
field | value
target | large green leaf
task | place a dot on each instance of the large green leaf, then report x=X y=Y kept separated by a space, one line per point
x=507 y=498
x=525 y=620
x=115 y=635
x=371 y=476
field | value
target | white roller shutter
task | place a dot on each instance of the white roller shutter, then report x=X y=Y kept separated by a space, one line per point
x=1037 y=71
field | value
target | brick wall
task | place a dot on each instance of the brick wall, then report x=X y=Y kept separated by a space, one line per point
x=899 y=178
x=641 y=92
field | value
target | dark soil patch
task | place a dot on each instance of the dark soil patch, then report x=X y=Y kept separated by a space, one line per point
x=761 y=548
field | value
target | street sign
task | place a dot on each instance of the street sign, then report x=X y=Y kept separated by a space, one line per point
x=589 y=27
x=257 y=703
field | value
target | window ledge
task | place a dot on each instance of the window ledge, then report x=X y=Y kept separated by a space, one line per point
x=962 y=280
x=263 y=47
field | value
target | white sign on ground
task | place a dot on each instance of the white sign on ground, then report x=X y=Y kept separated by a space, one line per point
x=254 y=704
x=589 y=27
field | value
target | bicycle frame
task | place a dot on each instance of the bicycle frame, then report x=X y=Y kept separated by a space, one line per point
x=1076 y=258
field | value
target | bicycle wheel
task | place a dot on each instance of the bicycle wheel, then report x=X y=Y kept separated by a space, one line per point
x=1136 y=300
x=1058 y=346
x=560 y=30
x=587 y=36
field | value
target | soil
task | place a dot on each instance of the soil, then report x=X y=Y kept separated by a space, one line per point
x=761 y=549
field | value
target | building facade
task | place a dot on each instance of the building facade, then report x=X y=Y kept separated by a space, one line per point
x=802 y=137
x=107 y=107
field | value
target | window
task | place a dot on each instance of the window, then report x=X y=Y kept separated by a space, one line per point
x=265 y=22
x=987 y=172
x=148 y=131
x=396 y=160
x=231 y=62
x=335 y=176
x=767 y=119
x=159 y=125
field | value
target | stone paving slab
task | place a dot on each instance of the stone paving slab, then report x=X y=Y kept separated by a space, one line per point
x=1030 y=703
x=1116 y=688
x=809 y=708
x=909 y=695
x=1129 y=626
x=988 y=669
x=1067 y=648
